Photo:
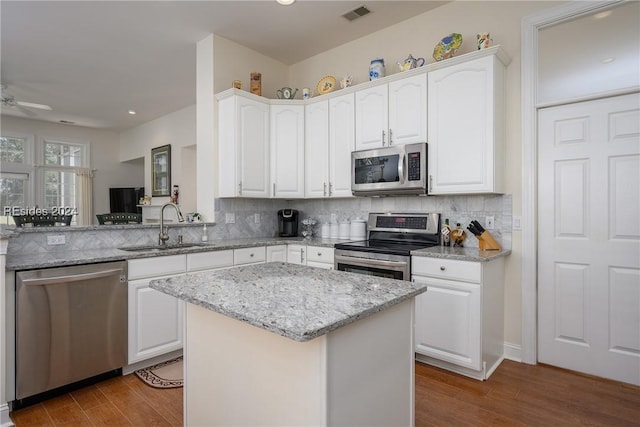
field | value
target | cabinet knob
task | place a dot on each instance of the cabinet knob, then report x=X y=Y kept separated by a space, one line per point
x=251 y=255
x=442 y=268
x=319 y=253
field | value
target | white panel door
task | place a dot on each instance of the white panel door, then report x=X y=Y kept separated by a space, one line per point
x=589 y=237
x=372 y=117
x=287 y=151
x=316 y=150
x=341 y=143
x=408 y=110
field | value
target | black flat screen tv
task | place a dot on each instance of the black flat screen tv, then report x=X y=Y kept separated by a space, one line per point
x=125 y=199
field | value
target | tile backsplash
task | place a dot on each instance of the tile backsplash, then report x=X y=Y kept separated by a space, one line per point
x=247 y=218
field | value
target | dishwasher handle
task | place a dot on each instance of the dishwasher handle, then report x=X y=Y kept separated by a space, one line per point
x=64 y=279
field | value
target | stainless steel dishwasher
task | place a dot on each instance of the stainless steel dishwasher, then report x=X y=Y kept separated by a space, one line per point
x=71 y=324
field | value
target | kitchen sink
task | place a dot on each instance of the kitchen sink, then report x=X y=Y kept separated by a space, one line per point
x=142 y=248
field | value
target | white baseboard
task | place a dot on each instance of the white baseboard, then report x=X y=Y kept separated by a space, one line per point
x=5 y=420
x=513 y=352
x=149 y=362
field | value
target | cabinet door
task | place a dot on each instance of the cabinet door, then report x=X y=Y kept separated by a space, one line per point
x=341 y=144
x=448 y=322
x=408 y=110
x=372 y=117
x=316 y=149
x=253 y=146
x=296 y=254
x=287 y=151
x=464 y=132
x=213 y=260
x=228 y=126
x=277 y=253
x=155 y=322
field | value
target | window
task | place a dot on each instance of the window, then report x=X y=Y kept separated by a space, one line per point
x=15 y=185
x=58 y=172
x=55 y=170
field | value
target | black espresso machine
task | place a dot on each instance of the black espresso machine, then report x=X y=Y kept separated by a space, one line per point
x=288 y=223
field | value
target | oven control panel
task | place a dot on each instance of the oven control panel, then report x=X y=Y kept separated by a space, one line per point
x=408 y=223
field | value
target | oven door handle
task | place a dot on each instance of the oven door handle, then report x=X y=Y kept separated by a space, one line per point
x=370 y=262
x=401 y=168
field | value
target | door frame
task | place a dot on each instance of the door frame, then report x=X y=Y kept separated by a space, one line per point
x=530 y=27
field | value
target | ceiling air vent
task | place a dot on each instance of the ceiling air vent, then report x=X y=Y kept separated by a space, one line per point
x=356 y=13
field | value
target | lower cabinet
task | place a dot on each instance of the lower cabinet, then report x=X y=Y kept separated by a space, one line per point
x=155 y=319
x=313 y=256
x=277 y=253
x=459 y=321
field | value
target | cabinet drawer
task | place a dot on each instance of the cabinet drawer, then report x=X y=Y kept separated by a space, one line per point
x=249 y=255
x=467 y=271
x=157 y=266
x=320 y=254
x=207 y=260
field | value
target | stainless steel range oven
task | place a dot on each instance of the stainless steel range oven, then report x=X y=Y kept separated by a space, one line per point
x=391 y=238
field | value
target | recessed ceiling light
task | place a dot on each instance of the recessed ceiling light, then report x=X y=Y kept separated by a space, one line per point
x=132 y=112
x=607 y=60
x=602 y=14
x=286 y=2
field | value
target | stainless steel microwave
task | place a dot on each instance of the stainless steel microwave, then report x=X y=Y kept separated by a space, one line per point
x=393 y=170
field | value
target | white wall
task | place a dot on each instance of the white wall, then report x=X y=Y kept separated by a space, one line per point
x=418 y=36
x=177 y=129
x=110 y=172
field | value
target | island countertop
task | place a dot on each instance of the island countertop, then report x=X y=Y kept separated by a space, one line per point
x=294 y=301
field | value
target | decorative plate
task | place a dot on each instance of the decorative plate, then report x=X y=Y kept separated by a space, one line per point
x=447 y=47
x=326 y=85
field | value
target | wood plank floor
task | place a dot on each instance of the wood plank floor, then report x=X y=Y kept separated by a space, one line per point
x=515 y=395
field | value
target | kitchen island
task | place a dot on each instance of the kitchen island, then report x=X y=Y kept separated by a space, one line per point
x=282 y=344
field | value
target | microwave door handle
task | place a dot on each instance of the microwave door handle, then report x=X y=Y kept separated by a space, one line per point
x=401 y=168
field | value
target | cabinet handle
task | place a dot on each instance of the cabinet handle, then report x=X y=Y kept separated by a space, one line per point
x=383 y=137
x=240 y=188
x=301 y=255
x=324 y=186
x=430 y=183
x=390 y=137
x=442 y=268
x=330 y=189
x=274 y=188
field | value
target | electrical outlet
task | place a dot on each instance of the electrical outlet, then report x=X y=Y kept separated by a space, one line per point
x=58 y=239
x=230 y=218
x=517 y=223
x=256 y=218
x=489 y=223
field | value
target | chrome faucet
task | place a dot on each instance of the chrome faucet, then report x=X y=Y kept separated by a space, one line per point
x=164 y=235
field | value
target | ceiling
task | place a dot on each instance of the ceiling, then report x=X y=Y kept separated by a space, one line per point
x=92 y=61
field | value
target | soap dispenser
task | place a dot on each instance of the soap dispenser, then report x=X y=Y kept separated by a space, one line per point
x=205 y=236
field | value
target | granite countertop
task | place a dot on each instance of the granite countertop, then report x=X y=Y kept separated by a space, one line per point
x=461 y=254
x=295 y=301
x=90 y=256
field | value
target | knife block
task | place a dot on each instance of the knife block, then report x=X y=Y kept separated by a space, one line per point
x=486 y=242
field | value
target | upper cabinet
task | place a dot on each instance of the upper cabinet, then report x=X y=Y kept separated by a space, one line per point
x=243 y=147
x=393 y=113
x=287 y=151
x=466 y=122
x=329 y=141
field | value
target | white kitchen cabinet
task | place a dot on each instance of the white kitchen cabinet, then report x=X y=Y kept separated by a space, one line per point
x=459 y=320
x=313 y=256
x=287 y=151
x=329 y=141
x=254 y=255
x=393 y=113
x=154 y=319
x=320 y=257
x=297 y=254
x=466 y=126
x=277 y=253
x=243 y=146
x=213 y=260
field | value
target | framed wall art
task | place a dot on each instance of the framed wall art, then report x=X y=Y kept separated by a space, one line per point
x=161 y=171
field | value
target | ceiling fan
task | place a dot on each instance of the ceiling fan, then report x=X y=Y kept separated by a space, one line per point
x=7 y=100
